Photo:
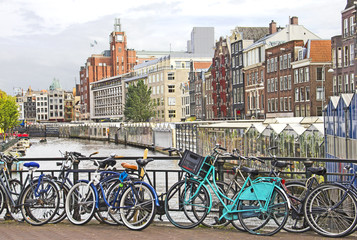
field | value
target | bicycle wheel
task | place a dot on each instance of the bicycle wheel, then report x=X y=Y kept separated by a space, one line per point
x=39 y=202
x=212 y=218
x=61 y=212
x=296 y=222
x=113 y=196
x=256 y=221
x=102 y=214
x=15 y=187
x=331 y=211
x=2 y=201
x=137 y=206
x=80 y=203
x=186 y=206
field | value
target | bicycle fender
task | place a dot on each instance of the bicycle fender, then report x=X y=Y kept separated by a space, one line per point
x=286 y=196
x=153 y=191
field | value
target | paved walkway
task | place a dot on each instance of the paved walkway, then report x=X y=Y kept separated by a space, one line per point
x=65 y=231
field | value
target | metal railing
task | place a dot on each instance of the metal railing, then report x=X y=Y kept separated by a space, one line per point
x=163 y=179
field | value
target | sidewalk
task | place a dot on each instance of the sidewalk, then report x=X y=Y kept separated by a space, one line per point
x=66 y=231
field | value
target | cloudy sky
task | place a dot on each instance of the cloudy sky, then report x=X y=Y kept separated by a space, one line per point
x=45 y=39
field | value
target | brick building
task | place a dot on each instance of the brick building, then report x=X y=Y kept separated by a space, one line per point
x=222 y=87
x=116 y=61
x=279 y=93
x=240 y=39
x=343 y=52
x=254 y=63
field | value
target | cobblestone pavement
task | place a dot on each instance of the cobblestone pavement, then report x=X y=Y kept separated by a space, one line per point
x=65 y=231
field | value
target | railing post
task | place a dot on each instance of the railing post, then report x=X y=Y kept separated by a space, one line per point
x=75 y=180
x=220 y=171
x=308 y=163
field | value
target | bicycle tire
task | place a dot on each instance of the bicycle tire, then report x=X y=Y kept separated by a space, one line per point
x=61 y=212
x=296 y=222
x=2 y=200
x=264 y=223
x=181 y=202
x=331 y=211
x=212 y=218
x=137 y=206
x=80 y=203
x=113 y=197
x=39 y=202
x=103 y=213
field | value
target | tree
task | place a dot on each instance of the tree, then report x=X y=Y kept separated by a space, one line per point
x=139 y=106
x=9 y=113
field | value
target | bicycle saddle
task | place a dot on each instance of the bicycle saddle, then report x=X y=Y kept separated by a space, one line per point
x=129 y=166
x=106 y=162
x=32 y=165
x=250 y=170
x=317 y=170
x=280 y=164
x=143 y=162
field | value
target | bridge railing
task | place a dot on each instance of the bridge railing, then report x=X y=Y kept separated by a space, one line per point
x=163 y=179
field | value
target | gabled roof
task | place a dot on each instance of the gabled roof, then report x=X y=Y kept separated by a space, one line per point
x=297 y=129
x=319 y=50
x=201 y=65
x=347 y=98
x=252 y=33
x=277 y=128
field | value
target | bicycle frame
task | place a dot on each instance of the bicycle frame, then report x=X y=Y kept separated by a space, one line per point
x=269 y=183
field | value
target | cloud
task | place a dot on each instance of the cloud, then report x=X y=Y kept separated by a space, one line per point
x=42 y=40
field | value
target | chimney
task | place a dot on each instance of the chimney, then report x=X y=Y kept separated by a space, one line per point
x=272 y=27
x=294 y=21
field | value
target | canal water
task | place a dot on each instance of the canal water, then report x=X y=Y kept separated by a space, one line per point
x=54 y=146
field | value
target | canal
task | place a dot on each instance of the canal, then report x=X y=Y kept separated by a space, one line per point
x=54 y=146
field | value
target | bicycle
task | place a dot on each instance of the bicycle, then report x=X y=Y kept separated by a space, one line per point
x=136 y=201
x=331 y=208
x=261 y=205
x=38 y=199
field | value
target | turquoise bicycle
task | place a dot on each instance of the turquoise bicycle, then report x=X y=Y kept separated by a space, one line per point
x=261 y=206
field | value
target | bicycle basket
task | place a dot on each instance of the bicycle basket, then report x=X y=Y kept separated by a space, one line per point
x=194 y=164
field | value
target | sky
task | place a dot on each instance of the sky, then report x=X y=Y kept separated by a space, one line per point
x=41 y=40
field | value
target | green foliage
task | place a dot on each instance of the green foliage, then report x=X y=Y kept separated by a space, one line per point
x=9 y=113
x=139 y=107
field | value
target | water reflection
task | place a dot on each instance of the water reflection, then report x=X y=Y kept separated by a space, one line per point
x=53 y=146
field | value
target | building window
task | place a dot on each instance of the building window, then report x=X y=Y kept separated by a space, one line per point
x=352 y=81
x=301 y=75
x=319 y=74
x=296 y=76
x=307 y=75
x=319 y=93
x=171 y=101
x=289 y=60
x=307 y=93
x=171 y=88
x=352 y=54
x=296 y=94
x=345 y=27
x=276 y=64
x=346 y=83
x=339 y=84
x=297 y=111
x=276 y=84
x=289 y=82
x=171 y=76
